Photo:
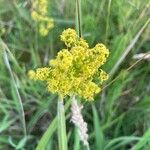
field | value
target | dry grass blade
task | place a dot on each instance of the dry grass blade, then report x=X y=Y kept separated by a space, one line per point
x=129 y=68
x=140 y=55
x=129 y=48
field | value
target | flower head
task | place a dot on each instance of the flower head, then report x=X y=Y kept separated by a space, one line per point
x=39 y=14
x=75 y=68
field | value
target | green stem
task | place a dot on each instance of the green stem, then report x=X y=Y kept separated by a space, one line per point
x=87 y=147
x=62 y=137
x=78 y=18
x=107 y=22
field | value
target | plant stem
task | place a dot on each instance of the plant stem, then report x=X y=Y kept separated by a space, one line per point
x=87 y=147
x=107 y=21
x=62 y=137
x=78 y=14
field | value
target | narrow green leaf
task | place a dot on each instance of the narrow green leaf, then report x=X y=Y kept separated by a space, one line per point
x=123 y=140
x=47 y=135
x=144 y=140
x=22 y=143
x=98 y=130
x=76 y=145
x=62 y=137
x=49 y=132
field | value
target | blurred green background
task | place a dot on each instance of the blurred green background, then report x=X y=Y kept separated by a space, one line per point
x=119 y=118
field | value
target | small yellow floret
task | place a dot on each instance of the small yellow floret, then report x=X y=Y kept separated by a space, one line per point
x=42 y=30
x=31 y=74
x=103 y=76
x=83 y=43
x=88 y=90
x=42 y=73
x=42 y=6
x=69 y=37
x=63 y=60
x=34 y=15
x=50 y=24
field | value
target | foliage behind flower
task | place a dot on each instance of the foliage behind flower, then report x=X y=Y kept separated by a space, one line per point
x=75 y=68
x=39 y=14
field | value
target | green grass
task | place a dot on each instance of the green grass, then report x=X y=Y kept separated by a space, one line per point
x=118 y=119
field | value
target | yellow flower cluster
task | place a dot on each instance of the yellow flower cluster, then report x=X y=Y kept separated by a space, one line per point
x=70 y=38
x=39 y=14
x=75 y=69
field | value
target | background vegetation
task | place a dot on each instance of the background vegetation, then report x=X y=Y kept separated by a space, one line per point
x=119 y=117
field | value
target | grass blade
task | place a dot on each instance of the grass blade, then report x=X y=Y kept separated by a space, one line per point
x=49 y=132
x=62 y=137
x=78 y=18
x=129 y=48
x=127 y=139
x=107 y=21
x=98 y=131
x=47 y=135
x=6 y=60
x=142 y=142
x=76 y=145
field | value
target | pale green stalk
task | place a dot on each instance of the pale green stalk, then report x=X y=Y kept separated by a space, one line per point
x=107 y=22
x=62 y=137
x=78 y=18
x=50 y=131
